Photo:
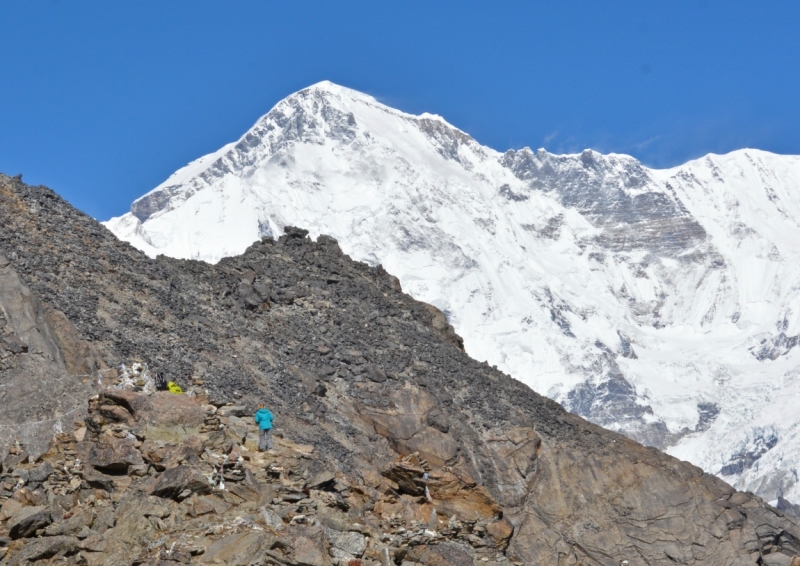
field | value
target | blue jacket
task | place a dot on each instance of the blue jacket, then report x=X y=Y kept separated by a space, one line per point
x=264 y=419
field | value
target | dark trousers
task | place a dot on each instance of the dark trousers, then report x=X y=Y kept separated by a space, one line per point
x=265 y=439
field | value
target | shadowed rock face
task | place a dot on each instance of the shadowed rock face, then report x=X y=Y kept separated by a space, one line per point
x=363 y=373
x=612 y=192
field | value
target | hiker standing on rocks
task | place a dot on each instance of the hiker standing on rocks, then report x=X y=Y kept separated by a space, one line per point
x=264 y=421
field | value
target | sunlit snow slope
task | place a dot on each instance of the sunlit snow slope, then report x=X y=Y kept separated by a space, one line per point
x=659 y=303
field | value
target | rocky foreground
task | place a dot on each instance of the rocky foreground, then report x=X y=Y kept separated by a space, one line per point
x=164 y=478
x=371 y=391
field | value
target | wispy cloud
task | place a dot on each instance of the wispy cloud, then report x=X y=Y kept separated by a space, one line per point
x=550 y=137
x=643 y=145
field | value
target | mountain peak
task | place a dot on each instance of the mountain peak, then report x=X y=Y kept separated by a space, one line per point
x=341 y=96
x=627 y=294
x=322 y=113
x=336 y=89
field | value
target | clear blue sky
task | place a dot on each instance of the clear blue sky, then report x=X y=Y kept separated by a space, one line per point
x=102 y=100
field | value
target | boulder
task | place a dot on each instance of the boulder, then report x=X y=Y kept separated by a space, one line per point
x=239 y=427
x=408 y=476
x=352 y=543
x=27 y=496
x=40 y=473
x=222 y=441
x=28 y=520
x=162 y=455
x=99 y=480
x=322 y=480
x=115 y=413
x=9 y=508
x=518 y=447
x=271 y=518
x=239 y=549
x=309 y=551
x=156 y=453
x=200 y=507
x=44 y=549
x=501 y=531
x=110 y=454
x=233 y=411
x=71 y=526
x=375 y=373
x=133 y=403
x=179 y=482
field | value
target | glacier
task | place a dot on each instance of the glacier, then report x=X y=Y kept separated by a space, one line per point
x=658 y=303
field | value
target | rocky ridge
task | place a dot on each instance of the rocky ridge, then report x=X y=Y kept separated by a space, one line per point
x=371 y=390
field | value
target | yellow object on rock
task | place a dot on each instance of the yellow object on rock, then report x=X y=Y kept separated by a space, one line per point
x=173 y=387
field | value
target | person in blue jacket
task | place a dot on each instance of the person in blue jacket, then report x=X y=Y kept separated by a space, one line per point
x=264 y=421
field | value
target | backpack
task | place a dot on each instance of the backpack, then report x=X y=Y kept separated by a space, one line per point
x=161 y=382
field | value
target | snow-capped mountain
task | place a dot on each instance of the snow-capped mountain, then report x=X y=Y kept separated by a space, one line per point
x=660 y=303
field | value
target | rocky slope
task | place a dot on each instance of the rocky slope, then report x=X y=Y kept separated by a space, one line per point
x=656 y=303
x=370 y=387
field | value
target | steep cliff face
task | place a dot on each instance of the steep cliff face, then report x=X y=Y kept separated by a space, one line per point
x=363 y=373
x=655 y=303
